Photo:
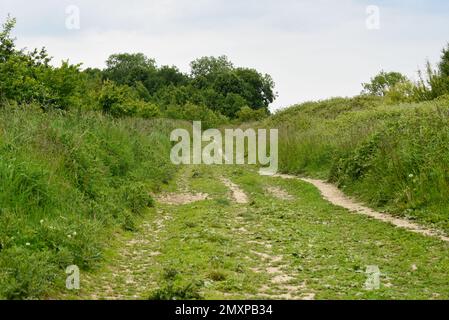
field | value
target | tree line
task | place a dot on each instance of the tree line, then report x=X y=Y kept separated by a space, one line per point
x=132 y=84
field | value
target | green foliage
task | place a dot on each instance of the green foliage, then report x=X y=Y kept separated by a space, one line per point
x=66 y=180
x=227 y=89
x=121 y=100
x=130 y=85
x=28 y=77
x=394 y=157
x=7 y=45
x=233 y=103
x=194 y=112
x=246 y=114
x=209 y=67
x=431 y=85
x=444 y=63
x=401 y=92
x=26 y=273
x=214 y=83
x=383 y=82
x=176 y=290
x=129 y=69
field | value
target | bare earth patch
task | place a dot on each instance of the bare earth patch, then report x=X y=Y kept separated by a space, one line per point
x=181 y=198
x=334 y=195
x=279 y=193
x=283 y=284
x=237 y=194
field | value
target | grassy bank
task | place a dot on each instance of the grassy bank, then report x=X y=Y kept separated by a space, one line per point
x=66 y=182
x=393 y=157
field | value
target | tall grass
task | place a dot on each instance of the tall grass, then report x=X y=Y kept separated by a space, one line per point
x=66 y=180
x=393 y=157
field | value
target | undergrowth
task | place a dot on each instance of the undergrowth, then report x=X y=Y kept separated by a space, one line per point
x=66 y=181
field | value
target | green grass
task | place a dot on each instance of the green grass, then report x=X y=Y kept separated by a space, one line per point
x=392 y=157
x=218 y=249
x=67 y=182
x=75 y=189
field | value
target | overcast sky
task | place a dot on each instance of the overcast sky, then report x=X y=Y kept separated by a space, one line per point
x=314 y=49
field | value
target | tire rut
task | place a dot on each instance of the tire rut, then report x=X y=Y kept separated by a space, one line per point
x=335 y=196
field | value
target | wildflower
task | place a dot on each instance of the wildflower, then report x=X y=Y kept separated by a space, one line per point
x=28 y=244
x=69 y=236
x=410 y=176
x=74 y=233
x=42 y=221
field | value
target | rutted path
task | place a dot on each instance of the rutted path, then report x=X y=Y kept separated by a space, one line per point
x=284 y=284
x=128 y=274
x=238 y=195
x=228 y=233
x=334 y=195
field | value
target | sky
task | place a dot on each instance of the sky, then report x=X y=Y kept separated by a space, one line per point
x=313 y=49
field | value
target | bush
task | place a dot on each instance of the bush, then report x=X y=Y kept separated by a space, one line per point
x=146 y=110
x=121 y=100
x=402 y=92
x=246 y=114
x=174 y=290
x=26 y=274
x=27 y=77
x=194 y=112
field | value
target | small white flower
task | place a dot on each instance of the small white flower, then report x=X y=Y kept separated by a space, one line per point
x=28 y=244
x=410 y=176
x=74 y=233
x=42 y=221
x=69 y=236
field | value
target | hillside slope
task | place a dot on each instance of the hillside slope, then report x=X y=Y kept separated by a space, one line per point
x=67 y=181
x=393 y=157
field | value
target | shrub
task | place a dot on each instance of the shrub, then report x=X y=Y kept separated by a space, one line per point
x=192 y=112
x=25 y=273
x=27 y=77
x=121 y=100
x=246 y=114
x=174 y=290
x=402 y=92
x=147 y=110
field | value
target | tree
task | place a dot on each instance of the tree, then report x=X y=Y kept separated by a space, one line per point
x=400 y=93
x=258 y=89
x=122 y=100
x=383 y=82
x=163 y=77
x=233 y=103
x=27 y=77
x=221 y=83
x=431 y=85
x=228 y=82
x=7 y=45
x=171 y=75
x=209 y=66
x=128 y=68
x=444 y=63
